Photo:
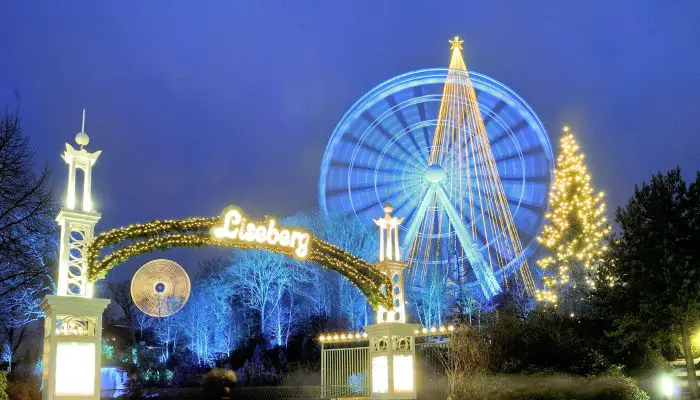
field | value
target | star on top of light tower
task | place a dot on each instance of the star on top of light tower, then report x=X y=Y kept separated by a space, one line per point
x=456 y=43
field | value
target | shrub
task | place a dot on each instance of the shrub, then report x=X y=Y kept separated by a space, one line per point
x=546 y=387
x=3 y=386
x=22 y=389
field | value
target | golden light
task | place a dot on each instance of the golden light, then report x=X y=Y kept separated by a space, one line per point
x=456 y=43
x=235 y=226
x=575 y=227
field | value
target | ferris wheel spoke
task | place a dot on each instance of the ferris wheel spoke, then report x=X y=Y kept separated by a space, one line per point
x=402 y=120
x=417 y=219
x=382 y=129
x=488 y=212
x=365 y=145
x=421 y=113
x=494 y=111
x=534 y=208
x=349 y=167
x=401 y=205
x=369 y=186
x=528 y=152
x=382 y=201
x=481 y=268
x=505 y=133
x=527 y=179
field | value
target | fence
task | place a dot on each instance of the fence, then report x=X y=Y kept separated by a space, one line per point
x=431 y=380
x=291 y=392
x=345 y=369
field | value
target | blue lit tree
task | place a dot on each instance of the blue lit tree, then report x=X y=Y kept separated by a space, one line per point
x=167 y=331
x=260 y=280
x=210 y=321
x=430 y=299
x=26 y=234
x=332 y=294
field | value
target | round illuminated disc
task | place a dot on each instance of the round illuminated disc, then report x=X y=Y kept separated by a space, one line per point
x=160 y=288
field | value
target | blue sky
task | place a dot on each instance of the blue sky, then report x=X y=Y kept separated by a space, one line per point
x=197 y=105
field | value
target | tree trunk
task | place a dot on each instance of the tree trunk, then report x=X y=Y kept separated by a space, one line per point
x=689 y=362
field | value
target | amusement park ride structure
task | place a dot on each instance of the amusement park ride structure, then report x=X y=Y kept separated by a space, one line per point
x=462 y=157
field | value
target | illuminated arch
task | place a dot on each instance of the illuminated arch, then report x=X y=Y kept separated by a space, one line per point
x=137 y=239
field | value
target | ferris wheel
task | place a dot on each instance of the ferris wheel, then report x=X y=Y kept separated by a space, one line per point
x=465 y=161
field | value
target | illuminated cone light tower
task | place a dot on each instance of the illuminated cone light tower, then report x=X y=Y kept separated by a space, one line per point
x=461 y=161
x=73 y=322
x=391 y=339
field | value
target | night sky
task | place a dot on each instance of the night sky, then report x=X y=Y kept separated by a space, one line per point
x=197 y=105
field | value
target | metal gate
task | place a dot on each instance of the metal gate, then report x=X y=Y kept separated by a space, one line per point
x=345 y=369
x=348 y=367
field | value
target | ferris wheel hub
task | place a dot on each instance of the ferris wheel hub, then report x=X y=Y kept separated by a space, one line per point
x=435 y=173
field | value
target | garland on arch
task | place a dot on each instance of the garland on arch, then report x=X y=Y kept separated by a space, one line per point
x=156 y=235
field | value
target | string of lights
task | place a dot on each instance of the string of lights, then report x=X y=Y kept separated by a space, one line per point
x=462 y=147
x=150 y=236
x=575 y=228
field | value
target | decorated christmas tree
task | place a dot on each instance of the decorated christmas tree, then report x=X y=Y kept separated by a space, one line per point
x=574 y=231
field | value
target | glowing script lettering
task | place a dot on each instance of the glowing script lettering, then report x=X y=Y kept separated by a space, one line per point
x=234 y=226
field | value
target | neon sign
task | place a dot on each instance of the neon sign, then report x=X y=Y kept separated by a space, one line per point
x=234 y=226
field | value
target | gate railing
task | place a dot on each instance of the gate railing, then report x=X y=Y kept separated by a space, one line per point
x=345 y=369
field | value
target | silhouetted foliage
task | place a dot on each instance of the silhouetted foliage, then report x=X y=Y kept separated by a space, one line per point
x=650 y=284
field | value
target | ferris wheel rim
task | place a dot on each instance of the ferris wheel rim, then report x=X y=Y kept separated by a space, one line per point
x=532 y=174
x=417 y=78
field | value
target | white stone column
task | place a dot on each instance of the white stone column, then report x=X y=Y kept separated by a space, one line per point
x=72 y=347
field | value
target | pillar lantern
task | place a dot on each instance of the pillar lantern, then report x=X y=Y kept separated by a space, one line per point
x=73 y=319
x=392 y=343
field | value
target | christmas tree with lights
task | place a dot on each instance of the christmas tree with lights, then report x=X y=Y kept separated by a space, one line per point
x=574 y=232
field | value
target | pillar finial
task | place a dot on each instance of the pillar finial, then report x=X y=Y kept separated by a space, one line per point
x=81 y=138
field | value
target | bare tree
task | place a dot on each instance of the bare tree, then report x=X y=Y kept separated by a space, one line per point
x=259 y=278
x=26 y=234
x=120 y=294
x=26 y=213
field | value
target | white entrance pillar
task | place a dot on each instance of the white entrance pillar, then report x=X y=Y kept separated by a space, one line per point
x=392 y=345
x=72 y=347
x=73 y=319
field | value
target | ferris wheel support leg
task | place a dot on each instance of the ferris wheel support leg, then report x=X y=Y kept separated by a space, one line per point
x=482 y=269
x=418 y=217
